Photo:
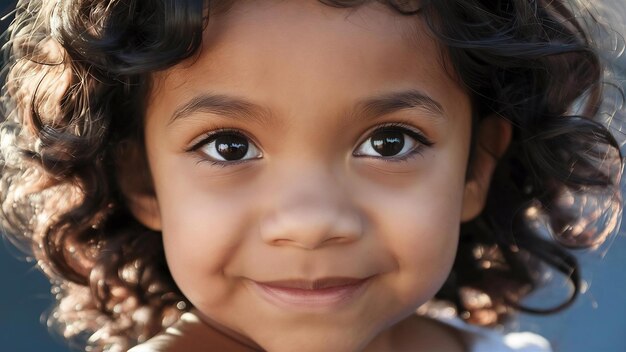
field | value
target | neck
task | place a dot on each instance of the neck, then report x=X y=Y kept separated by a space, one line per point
x=239 y=342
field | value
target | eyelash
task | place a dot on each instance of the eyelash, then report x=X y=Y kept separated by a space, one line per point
x=208 y=137
x=405 y=128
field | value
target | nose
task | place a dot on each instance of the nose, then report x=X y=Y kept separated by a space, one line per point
x=310 y=213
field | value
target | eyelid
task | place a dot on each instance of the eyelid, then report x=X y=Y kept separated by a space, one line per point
x=420 y=143
x=401 y=124
x=202 y=140
x=209 y=137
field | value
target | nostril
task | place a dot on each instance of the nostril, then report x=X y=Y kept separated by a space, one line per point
x=310 y=228
x=337 y=240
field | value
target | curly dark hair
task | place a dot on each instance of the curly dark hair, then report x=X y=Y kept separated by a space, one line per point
x=76 y=78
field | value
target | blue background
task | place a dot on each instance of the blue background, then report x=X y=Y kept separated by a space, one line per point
x=596 y=322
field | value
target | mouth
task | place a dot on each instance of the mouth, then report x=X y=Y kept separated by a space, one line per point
x=299 y=294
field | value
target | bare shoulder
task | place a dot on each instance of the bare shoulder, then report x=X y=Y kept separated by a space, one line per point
x=419 y=333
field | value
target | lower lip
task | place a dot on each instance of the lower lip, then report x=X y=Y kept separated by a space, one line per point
x=294 y=298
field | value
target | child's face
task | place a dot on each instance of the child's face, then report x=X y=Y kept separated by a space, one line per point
x=321 y=192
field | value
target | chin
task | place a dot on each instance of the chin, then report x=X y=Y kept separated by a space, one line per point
x=337 y=341
x=310 y=345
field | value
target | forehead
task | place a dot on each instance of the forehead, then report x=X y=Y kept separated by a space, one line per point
x=271 y=49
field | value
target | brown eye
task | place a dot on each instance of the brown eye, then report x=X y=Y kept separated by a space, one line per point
x=392 y=143
x=387 y=143
x=231 y=147
x=228 y=146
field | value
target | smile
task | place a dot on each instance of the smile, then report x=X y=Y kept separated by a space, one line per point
x=307 y=294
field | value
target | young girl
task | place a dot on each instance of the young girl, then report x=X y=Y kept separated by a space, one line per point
x=303 y=175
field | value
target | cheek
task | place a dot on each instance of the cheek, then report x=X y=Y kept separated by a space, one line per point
x=202 y=230
x=419 y=225
x=423 y=236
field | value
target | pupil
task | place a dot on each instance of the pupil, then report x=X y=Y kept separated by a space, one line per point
x=231 y=147
x=387 y=143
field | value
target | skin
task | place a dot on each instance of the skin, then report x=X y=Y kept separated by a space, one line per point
x=306 y=206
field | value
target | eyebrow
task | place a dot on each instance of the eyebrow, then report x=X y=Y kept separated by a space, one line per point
x=396 y=101
x=367 y=109
x=221 y=105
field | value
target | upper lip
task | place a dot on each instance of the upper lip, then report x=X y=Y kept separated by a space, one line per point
x=316 y=284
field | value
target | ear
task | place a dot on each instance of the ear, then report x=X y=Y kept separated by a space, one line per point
x=492 y=139
x=135 y=181
x=145 y=209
